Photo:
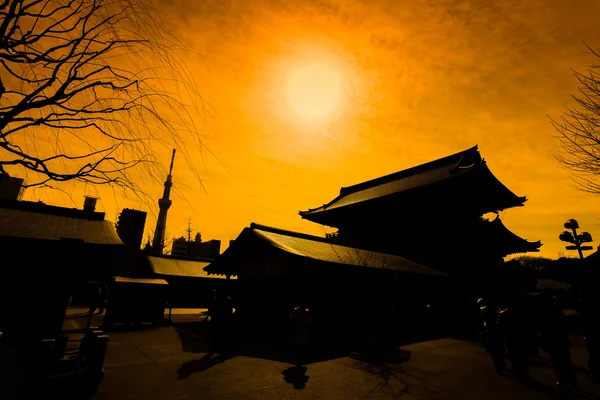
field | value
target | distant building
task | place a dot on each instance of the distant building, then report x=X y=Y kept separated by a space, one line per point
x=196 y=248
x=130 y=227
x=11 y=188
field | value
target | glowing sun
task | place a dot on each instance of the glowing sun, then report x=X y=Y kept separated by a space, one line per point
x=314 y=91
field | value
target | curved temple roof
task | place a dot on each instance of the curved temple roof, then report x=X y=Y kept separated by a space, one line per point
x=178 y=267
x=421 y=176
x=514 y=242
x=315 y=248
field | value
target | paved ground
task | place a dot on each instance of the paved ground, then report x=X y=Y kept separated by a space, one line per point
x=167 y=363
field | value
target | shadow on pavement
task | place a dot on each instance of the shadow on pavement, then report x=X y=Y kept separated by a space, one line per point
x=264 y=343
x=273 y=344
x=194 y=337
x=296 y=376
x=194 y=366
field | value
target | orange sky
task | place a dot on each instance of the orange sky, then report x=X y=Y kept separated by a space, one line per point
x=420 y=79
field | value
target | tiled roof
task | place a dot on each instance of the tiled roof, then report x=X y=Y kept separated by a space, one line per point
x=513 y=241
x=552 y=284
x=320 y=249
x=150 y=281
x=36 y=225
x=178 y=267
x=422 y=175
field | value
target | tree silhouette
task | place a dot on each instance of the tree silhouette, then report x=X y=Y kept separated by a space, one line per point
x=167 y=249
x=579 y=130
x=88 y=89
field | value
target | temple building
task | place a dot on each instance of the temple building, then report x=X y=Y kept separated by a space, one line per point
x=401 y=239
x=432 y=213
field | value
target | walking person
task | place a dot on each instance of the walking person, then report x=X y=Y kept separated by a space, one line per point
x=493 y=336
x=517 y=327
x=554 y=329
x=300 y=322
x=220 y=312
x=590 y=288
x=592 y=339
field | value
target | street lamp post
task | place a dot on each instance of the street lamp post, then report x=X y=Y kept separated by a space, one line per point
x=576 y=239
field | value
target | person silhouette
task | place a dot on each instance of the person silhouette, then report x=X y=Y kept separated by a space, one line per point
x=493 y=336
x=592 y=338
x=590 y=288
x=516 y=323
x=554 y=330
x=300 y=322
x=220 y=312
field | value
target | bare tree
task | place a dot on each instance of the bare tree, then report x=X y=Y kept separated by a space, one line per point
x=166 y=250
x=88 y=89
x=579 y=130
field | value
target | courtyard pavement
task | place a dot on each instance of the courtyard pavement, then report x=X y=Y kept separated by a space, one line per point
x=170 y=362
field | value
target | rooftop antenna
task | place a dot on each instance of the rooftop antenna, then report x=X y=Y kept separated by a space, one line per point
x=172 y=159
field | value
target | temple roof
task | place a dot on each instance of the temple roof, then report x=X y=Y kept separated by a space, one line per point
x=49 y=226
x=594 y=257
x=178 y=267
x=169 y=266
x=432 y=176
x=307 y=247
x=456 y=238
x=513 y=243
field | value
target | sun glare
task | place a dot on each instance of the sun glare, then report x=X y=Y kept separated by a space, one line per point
x=314 y=91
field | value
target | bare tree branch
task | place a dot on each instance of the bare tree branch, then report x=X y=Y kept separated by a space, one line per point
x=99 y=80
x=579 y=131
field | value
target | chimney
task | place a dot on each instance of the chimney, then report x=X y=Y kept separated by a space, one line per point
x=11 y=188
x=90 y=203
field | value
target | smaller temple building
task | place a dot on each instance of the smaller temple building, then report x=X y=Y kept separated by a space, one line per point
x=190 y=286
x=278 y=269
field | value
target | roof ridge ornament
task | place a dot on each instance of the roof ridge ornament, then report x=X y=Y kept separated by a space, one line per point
x=456 y=167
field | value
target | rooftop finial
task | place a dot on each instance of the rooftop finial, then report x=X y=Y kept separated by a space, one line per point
x=172 y=159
